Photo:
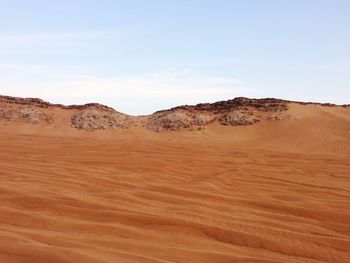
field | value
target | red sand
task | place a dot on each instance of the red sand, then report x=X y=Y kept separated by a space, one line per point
x=272 y=192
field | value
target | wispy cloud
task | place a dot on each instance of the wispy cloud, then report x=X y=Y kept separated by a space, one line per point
x=136 y=94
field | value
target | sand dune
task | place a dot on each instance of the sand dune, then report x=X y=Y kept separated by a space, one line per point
x=270 y=192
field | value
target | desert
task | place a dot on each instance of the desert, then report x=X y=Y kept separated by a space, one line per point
x=178 y=131
x=242 y=180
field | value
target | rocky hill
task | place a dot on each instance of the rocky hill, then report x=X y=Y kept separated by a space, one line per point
x=239 y=111
x=90 y=116
x=93 y=116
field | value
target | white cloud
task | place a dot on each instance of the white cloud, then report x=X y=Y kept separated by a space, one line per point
x=134 y=94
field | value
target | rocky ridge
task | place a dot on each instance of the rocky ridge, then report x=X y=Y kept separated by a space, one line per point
x=93 y=116
x=96 y=119
x=235 y=112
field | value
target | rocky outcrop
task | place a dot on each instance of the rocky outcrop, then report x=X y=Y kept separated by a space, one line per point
x=175 y=120
x=39 y=103
x=93 y=116
x=238 y=119
x=97 y=119
x=34 y=102
x=265 y=105
x=27 y=114
x=236 y=112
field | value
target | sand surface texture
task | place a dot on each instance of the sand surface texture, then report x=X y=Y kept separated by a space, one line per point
x=269 y=192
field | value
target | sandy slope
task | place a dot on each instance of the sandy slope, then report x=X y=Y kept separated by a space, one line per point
x=271 y=192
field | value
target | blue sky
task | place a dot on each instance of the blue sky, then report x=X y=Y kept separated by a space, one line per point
x=139 y=56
